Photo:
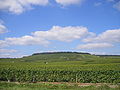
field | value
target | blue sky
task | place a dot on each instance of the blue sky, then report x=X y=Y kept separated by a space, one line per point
x=32 y=26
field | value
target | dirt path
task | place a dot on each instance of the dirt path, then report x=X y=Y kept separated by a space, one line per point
x=82 y=84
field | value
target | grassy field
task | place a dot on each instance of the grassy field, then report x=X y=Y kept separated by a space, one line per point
x=61 y=67
x=48 y=86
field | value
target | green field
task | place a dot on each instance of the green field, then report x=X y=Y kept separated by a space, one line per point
x=48 y=86
x=61 y=67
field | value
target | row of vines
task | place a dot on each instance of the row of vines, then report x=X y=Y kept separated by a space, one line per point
x=59 y=76
x=34 y=72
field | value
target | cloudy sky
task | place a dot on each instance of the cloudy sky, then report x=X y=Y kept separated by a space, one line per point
x=32 y=26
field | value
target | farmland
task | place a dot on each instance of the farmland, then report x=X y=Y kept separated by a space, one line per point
x=61 y=67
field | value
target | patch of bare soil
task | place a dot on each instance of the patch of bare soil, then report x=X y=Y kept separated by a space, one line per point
x=82 y=84
x=78 y=84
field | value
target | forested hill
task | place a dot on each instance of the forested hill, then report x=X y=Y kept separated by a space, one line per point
x=60 y=53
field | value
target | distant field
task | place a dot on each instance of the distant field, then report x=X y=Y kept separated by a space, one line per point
x=61 y=67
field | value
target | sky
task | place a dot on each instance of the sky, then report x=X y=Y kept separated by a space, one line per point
x=34 y=26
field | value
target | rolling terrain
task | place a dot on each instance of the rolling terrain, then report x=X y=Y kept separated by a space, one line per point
x=61 y=67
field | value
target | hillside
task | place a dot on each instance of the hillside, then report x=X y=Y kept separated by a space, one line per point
x=65 y=56
x=59 y=56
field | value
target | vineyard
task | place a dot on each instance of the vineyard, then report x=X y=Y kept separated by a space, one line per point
x=61 y=67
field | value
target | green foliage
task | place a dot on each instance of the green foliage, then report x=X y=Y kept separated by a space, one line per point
x=62 y=67
x=59 y=74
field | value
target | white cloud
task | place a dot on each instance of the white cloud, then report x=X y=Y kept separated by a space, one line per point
x=3 y=43
x=65 y=34
x=3 y=29
x=111 y=36
x=69 y=2
x=94 y=46
x=7 y=51
x=27 y=40
x=99 y=53
x=117 y=5
x=106 y=39
x=18 y=6
x=12 y=55
x=5 y=55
